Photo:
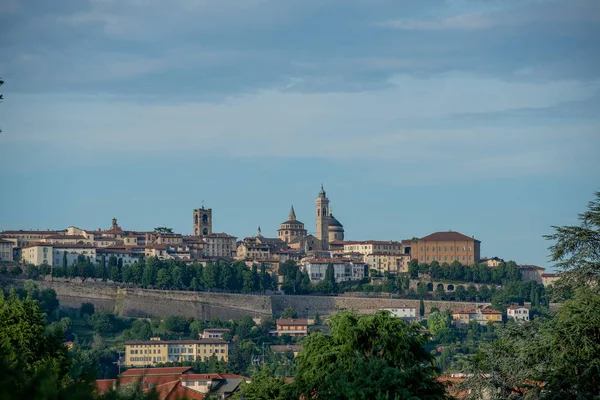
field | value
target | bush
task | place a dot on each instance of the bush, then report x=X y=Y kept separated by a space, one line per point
x=103 y=322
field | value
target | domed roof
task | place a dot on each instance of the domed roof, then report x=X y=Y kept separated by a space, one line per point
x=335 y=222
x=292 y=222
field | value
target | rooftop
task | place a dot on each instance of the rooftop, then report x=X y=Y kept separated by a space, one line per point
x=449 y=236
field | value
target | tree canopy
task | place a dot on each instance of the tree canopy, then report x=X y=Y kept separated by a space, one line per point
x=367 y=357
x=576 y=250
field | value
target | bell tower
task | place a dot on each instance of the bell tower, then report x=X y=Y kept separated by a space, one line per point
x=322 y=210
x=202 y=221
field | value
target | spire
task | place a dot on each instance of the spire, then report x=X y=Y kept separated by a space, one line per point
x=322 y=192
x=259 y=233
x=330 y=211
x=292 y=216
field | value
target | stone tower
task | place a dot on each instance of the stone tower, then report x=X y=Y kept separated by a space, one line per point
x=202 y=221
x=322 y=209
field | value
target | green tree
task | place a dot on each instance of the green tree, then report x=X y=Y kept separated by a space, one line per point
x=437 y=321
x=367 y=357
x=460 y=292
x=86 y=309
x=421 y=307
x=103 y=322
x=177 y=324
x=140 y=330
x=162 y=230
x=557 y=358
x=163 y=279
x=576 y=248
x=289 y=312
x=263 y=386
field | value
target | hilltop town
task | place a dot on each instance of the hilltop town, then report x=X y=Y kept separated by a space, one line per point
x=351 y=260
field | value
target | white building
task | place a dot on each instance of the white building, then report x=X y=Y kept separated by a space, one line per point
x=402 y=311
x=518 y=313
x=343 y=269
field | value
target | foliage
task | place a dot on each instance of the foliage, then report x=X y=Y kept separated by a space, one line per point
x=544 y=359
x=264 y=386
x=289 y=312
x=103 y=322
x=577 y=248
x=176 y=324
x=367 y=357
x=140 y=330
x=162 y=230
x=437 y=321
x=86 y=309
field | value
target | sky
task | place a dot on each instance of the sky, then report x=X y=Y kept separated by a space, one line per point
x=417 y=116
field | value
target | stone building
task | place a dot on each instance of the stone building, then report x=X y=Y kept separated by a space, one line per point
x=291 y=228
x=202 y=221
x=444 y=247
x=328 y=227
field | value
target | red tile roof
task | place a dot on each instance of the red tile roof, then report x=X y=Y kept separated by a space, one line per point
x=105 y=385
x=194 y=377
x=449 y=236
x=155 y=371
x=292 y=322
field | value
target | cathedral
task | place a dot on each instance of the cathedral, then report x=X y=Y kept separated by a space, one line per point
x=293 y=233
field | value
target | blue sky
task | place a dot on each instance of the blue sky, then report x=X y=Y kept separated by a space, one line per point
x=417 y=116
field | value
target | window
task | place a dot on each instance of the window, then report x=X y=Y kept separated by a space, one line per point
x=469 y=248
x=427 y=248
x=439 y=248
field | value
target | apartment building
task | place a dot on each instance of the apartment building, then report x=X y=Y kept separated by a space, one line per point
x=150 y=352
x=344 y=269
x=373 y=247
x=481 y=316
x=385 y=263
x=405 y=312
x=291 y=327
x=6 y=250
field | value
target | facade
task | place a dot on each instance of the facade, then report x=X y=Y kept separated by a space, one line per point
x=374 y=247
x=143 y=353
x=343 y=269
x=550 y=279
x=531 y=273
x=214 y=333
x=445 y=247
x=518 y=313
x=219 y=245
x=291 y=327
x=385 y=263
x=37 y=254
x=491 y=262
x=481 y=316
x=202 y=221
x=170 y=238
x=6 y=250
x=27 y=237
x=406 y=312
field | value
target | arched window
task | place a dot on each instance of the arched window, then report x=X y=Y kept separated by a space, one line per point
x=205 y=218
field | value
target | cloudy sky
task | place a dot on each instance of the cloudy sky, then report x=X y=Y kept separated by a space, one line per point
x=417 y=116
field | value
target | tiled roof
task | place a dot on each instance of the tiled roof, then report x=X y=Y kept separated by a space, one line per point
x=21 y=232
x=516 y=307
x=155 y=371
x=105 y=385
x=195 y=377
x=196 y=341
x=292 y=322
x=449 y=236
x=65 y=237
x=528 y=266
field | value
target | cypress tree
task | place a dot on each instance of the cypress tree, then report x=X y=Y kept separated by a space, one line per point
x=421 y=307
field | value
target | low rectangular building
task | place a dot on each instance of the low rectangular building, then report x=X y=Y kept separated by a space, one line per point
x=214 y=333
x=482 y=316
x=518 y=313
x=142 y=353
x=406 y=312
x=291 y=327
x=344 y=269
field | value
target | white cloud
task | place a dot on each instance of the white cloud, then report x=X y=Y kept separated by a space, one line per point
x=467 y=22
x=409 y=123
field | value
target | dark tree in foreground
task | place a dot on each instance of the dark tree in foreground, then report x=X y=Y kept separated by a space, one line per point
x=577 y=248
x=367 y=357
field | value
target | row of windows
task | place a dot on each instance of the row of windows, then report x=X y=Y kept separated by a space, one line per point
x=464 y=248
x=445 y=258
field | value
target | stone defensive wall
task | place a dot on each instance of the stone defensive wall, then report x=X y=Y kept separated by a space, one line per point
x=308 y=306
x=133 y=302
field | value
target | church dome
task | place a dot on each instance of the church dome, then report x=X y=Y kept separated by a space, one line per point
x=334 y=223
